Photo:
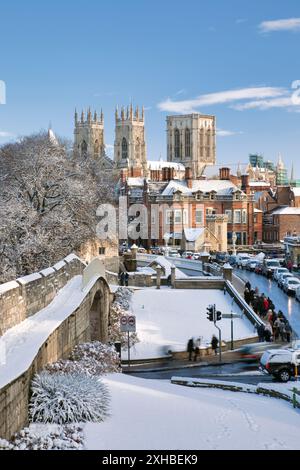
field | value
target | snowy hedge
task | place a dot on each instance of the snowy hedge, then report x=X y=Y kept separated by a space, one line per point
x=121 y=306
x=68 y=398
x=91 y=358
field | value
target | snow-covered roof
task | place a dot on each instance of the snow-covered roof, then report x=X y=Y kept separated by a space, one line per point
x=296 y=192
x=259 y=184
x=287 y=211
x=192 y=234
x=256 y=211
x=138 y=181
x=221 y=187
x=159 y=164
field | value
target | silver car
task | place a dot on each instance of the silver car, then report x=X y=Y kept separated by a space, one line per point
x=282 y=278
x=291 y=284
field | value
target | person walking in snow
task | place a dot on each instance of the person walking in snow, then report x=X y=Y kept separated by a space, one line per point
x=126 y=277
x=214 y=344
x=190 y=348
x=197 y=349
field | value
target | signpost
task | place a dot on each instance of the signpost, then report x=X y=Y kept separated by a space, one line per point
x=128 y=325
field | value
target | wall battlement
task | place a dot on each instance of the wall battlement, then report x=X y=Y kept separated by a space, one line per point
x=27 y=295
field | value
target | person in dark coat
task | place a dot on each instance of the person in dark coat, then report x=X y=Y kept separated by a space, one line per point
x=122 y=278
x=288 y=332
x=261 y=332
x=247 y=295
x=126 y=278
x=190 y=348
x=214 y=344
x=248 y=285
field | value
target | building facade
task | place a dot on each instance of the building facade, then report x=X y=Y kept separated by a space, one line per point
x=130 y=145
x=89 y=135
x=191 y=140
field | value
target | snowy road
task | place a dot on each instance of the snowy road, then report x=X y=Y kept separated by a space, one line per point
x=159 y=415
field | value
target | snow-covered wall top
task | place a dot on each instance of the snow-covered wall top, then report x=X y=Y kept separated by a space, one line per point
x=27 y=295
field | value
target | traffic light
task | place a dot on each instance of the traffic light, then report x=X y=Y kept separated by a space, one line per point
x=219 y=316
x=210 y=312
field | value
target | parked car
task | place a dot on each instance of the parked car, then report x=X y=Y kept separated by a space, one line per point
x=270 y=266
x=174 y=254
x=251 y=264
x=242 y=260
x=281 y=363
x=291 y=284
x=258 y=268
x=232 y=260
x=282 y=278
x=187 y=255
x=221 y=257
x=279 y=271
x=197 y=256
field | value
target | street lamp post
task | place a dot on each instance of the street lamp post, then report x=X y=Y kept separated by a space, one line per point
x=234 y=238
x=231 y=318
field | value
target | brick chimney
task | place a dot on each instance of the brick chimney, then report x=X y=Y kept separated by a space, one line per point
x=224 y=174
x=189 y=177
x=245 y=184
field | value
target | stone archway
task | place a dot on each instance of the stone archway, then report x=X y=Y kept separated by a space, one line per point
x=99 y=312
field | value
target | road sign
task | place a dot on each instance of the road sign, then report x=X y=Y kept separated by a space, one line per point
x=128 y=324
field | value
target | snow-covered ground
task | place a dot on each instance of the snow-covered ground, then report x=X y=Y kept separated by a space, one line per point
x=167 y=318
x=153 y=414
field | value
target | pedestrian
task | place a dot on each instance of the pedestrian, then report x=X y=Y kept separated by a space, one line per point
x=268 y=333
x=257 y=291
x=261 y=332
x=126 y=278
x=122 y=278
x=247 y=295
x=197 y=345
x=266 y=305
x=282 y=331
x=214 y=344
x=271 y=305
x=190 y=348
x=270 y=317
x=248 y=285
x=288 y=332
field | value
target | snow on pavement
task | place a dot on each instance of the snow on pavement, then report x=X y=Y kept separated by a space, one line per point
x=167 y=318
x=154 y=414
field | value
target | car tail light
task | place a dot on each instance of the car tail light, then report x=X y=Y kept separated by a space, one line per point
x=267 y=366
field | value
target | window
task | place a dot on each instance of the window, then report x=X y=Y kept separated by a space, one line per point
x=238 y=238
x=187 y=143
x=83 y=147
x=237 y=216
x=245 y=238
x=229 y=215
x=101 y=251
x=168 y=217
x=244 y=216
x=177 y=217
x=199 y=216
x=124 y=149
x=185 y=216
x=177 y=143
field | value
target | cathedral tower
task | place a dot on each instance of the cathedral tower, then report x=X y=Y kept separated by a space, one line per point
x=191 y=140
x=89 y=135
x=130 y=145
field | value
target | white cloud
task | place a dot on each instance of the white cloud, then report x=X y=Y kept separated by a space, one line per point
x=281 y=102
x=223 y=97
x=224 y=133
x=5 y=134
x=289 y=24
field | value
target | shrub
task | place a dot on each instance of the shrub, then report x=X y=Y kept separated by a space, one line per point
x=68 y=398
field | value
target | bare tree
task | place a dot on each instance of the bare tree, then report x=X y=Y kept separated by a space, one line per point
x=48 y=203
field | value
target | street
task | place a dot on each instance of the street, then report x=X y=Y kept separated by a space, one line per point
x=235 y=372
x=289 y=305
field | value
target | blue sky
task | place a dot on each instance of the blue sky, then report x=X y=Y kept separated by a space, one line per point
x=235 y=59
